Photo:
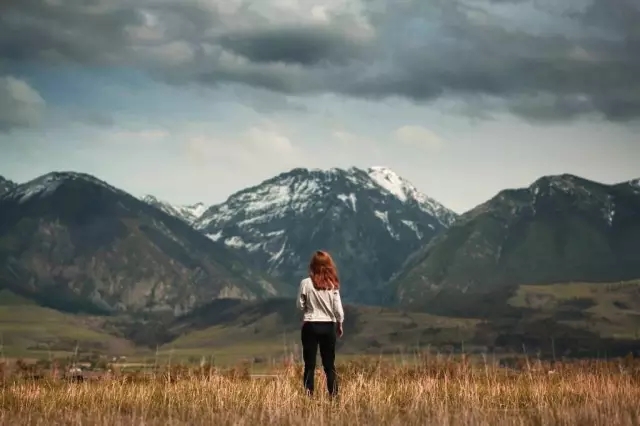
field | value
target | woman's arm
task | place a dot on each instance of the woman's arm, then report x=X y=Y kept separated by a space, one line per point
x=338 y=311
x=301 y=301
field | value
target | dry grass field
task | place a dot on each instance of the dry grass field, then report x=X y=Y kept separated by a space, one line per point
x=434 y=391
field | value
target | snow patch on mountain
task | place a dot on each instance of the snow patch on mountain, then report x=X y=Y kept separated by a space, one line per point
x=47 y=184
x=268 y=201
x=194 y=210
x=188 y=213
x=235 y=242
x=412 y=225
x=239 y=243
x=350 y=200
x=277 y=257
x=609 y=210
x=405 y=191
x=390 y=181
x=6 y=185
x=216 y=236
x=384 y=217
x=42 y=188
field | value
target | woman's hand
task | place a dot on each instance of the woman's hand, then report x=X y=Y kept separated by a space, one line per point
x=340 y=330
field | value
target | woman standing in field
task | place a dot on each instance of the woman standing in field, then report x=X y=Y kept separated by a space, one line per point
x=319 y=298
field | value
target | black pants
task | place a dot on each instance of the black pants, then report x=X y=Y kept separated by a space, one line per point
x=321 y=334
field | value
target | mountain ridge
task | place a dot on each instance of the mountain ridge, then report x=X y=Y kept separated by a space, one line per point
x=6 y=185
x=72 y=239
x=560 y=228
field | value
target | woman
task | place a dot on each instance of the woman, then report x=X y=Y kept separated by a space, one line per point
x=319 y=298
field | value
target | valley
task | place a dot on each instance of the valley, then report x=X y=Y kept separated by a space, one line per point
x=575 y=319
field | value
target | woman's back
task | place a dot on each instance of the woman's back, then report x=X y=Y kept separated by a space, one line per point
x=319 y=305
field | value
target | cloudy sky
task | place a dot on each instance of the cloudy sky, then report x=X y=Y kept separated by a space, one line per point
x=191 y=100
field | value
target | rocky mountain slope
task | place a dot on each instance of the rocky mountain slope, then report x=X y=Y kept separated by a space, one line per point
x=188 y=213
x=73 y=242
x=370 y=220
x=559 y=229
x=6 y=185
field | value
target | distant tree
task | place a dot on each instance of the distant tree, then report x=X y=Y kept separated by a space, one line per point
x=43 y=364
x=21 y=365
x=100 y=364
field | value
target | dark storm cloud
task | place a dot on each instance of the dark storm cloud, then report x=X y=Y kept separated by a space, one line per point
x=578 y=65
x=78 y=31
x=540 y=60
x=295 y=45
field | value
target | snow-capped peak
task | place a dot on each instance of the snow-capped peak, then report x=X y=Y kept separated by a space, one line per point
x=188 y=213
x=364 y=214
x=405 y=191
x=149 y=199
x=47 y=184
x=390 y=181
x=298 y=190
x=196 y=209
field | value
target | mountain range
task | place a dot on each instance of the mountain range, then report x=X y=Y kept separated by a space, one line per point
x=72 y=242
x=75 y=242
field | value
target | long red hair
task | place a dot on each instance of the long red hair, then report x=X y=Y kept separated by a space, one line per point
x=323 y=271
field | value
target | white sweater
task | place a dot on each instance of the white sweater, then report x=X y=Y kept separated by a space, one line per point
x=319 y=305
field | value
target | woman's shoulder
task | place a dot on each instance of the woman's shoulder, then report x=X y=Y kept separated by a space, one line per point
x=305 y=281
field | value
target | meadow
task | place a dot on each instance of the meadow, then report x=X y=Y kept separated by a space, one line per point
x=432 y=390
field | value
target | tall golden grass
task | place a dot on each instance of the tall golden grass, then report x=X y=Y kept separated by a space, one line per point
x=439 y=392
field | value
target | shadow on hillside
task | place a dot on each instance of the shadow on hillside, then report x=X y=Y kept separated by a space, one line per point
x=244 y=313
